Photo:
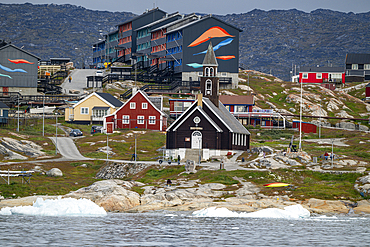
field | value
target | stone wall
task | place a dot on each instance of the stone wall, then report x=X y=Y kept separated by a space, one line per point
x=120 y=170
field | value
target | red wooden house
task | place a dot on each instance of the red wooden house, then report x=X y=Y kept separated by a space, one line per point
x=329 y=77
x=140 y=111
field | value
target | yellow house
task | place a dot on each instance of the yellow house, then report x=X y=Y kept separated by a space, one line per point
x=92 y=109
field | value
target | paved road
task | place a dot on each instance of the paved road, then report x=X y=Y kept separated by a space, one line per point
x=68 y=149
x=78 y=80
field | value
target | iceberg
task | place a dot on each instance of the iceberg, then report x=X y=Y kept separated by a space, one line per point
x=289 y=212
x=57 y=207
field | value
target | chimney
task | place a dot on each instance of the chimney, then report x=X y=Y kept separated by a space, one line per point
x=200 y=98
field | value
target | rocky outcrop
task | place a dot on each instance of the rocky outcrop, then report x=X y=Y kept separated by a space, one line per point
x=362 y=185
x=10 y=155
x=351 y=126
x=24 y=146
x=326 y=206
x=112 y=195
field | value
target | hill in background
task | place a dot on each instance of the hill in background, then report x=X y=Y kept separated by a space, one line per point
x=271 y=41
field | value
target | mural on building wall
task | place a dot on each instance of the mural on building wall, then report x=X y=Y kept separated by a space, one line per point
x=216 y=47
x=16 y=61
x=213 y=32
x=6 y=76
x=12 y=70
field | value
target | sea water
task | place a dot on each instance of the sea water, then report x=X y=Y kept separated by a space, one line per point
x=208 y=227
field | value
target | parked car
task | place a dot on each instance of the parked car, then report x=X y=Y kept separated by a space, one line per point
x=76 y=132
x=96 y=129
x=99 y=73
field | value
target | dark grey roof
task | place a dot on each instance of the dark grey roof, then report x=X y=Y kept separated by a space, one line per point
x=100 y=108
x=202 y=19
x=145 y=13
x=180 y=22
x=322 y=69
x=354 y=58
x=2 y=105
x=210 y=57
x=111 y=99
x=224 y=115
x=159 y=21
x=11 y=45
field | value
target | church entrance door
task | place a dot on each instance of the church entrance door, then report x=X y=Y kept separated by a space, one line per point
x=196 y=140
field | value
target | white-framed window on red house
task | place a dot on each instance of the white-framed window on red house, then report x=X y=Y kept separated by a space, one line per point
x=140 y=119
x=132 y=105
x=304 y=75
x=151 y=119
x=144 y=105
x=318 y=76
x=125 y=119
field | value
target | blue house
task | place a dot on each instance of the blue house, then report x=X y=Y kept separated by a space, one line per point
x=4 y=113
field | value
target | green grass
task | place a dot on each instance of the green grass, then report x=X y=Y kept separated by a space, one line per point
x=74 y=178
x=156 y=175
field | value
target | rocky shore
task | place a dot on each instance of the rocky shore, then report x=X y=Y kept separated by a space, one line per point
x=116 y=196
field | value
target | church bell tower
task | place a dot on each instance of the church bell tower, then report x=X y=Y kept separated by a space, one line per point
x=209 y=82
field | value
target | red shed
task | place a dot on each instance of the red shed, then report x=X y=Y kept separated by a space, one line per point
x=140 y=111
x=327 y=76
x=306 y=127
x=367 y=92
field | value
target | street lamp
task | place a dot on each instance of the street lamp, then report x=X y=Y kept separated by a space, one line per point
x=300 y=122
x=18 y=111
x=135 y=148
x=56 y=133
x=320 y=120
x=107 y=146
x=332 y=152
x=43 y=112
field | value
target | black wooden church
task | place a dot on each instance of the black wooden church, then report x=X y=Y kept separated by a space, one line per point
x=207 y=124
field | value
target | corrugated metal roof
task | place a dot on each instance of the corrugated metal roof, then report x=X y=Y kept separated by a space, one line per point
x=224 y=115
x=322 y=69
x=186 y=20
x=111 y=99
x=159 y=21
x=11 y=45
x=355 y=58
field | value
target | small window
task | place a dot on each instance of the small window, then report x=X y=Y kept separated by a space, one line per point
x=200 y=73
x=318 y=76
x=140 y=119
x=132 y=105
x=208 y=87
x=144 y=105
x=305 y=76
x=354 y=66
x=367 y=66
x=151 y=119
x=84 y=110
x=125 y=119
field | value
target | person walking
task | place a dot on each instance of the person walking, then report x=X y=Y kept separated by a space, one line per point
x=70 y=79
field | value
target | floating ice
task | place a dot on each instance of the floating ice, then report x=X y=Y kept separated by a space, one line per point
x=289 y=212
x=57 y=207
